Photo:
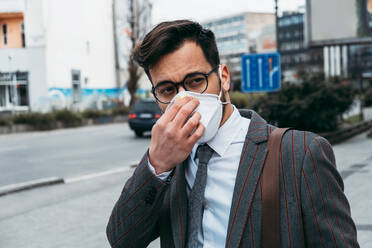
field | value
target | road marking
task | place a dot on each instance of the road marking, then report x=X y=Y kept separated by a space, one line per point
x=249 y=73
x=17 y=187
x=260 y=73
x=12 y=148
x=99 y=174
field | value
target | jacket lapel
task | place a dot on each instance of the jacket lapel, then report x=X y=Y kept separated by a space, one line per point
x=178 y=205
x=249 y=172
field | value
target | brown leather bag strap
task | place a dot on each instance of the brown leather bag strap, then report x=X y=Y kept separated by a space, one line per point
x=270 y=191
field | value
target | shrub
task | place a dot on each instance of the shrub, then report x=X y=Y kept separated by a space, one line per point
x=354 y=119
x=68 y=118
x=5 y=122
x=368 y=97
x=314 y=105
x=37 y=120
x=120 y=110
x=244 y=100
x=94 y=114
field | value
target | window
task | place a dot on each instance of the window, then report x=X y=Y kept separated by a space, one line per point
x=3 y=96
x=14 y=89
x=5 y=34
x=23 y=35
x=76 y=86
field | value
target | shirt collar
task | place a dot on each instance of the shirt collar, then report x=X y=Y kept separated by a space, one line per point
x=226 y=133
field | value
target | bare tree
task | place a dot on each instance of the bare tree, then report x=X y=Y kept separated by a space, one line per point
x=138 y=20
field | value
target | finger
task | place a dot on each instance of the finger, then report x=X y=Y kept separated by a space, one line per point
x=184 y=112
x=169 y=115
x=191 y=124
x=197 y=134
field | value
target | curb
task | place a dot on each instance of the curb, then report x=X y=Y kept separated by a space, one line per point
x=347 y=133
x=38 y=183
x=97 y=174
x=24 y=128
x=13 y=188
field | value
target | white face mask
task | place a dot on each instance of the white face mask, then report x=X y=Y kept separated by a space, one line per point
x=210 y=109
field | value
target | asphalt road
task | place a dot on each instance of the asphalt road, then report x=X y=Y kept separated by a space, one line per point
x=75 y=214
x=68 y=152
x=61 y=216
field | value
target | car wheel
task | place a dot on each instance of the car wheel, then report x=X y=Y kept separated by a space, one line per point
x=139 y=133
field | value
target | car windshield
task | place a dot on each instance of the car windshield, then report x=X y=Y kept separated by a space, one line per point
x=146 y=106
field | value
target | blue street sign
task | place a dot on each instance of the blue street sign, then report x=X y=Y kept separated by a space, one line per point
x=261 y=72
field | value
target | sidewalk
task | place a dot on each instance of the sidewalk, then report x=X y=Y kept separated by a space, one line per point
x=354 y=161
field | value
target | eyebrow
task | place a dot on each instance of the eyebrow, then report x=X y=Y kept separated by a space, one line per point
x=188 y=74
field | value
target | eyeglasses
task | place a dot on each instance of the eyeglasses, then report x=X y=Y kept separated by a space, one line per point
x=195 y=82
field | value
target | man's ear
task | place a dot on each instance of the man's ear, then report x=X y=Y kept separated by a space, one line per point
x=225 y=77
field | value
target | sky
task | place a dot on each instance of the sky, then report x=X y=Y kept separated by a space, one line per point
x=203 y=10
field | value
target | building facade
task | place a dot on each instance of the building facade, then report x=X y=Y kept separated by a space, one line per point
x=345 y=38
x=56 y=54
x=242 y=33
x=295 y=55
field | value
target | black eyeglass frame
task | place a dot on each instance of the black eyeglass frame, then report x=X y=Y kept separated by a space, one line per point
x=182 y=83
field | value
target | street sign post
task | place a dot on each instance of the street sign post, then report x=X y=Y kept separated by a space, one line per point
x=261 y=72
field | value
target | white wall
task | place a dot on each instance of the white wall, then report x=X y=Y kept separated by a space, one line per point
x=33 y=61
x=33 y=19
x=332 y=19
x=11 y=6
x=31 y=58
x=80 y=36
x=34 y=23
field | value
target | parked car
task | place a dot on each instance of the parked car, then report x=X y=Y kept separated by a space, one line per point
x=143 y=116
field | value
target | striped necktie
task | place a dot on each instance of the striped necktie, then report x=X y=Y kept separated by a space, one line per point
x=196 y=197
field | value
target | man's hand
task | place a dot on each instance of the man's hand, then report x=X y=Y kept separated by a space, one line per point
x=172 y=136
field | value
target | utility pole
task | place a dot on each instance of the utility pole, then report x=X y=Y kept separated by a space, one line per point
x=116 y=46
x=276 y=25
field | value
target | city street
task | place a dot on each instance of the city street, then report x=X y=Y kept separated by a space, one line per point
x=306 y=64
x=68 y=152
x=75 y=214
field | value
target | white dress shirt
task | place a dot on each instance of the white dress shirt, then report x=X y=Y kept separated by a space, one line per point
x=222 y=169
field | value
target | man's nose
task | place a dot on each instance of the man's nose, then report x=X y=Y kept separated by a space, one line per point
x=181 y=88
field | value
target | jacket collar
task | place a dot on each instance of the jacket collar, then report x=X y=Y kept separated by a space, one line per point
x=258 y=129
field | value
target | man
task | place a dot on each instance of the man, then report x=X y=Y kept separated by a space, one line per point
x=175 y=195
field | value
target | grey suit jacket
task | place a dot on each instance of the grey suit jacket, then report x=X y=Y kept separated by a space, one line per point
x=314 y=209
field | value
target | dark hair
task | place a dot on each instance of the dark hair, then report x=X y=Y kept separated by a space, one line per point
x=167 y=37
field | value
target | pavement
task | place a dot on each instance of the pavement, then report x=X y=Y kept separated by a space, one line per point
x=354 y=161
x=74 y=213
x=68 y=215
